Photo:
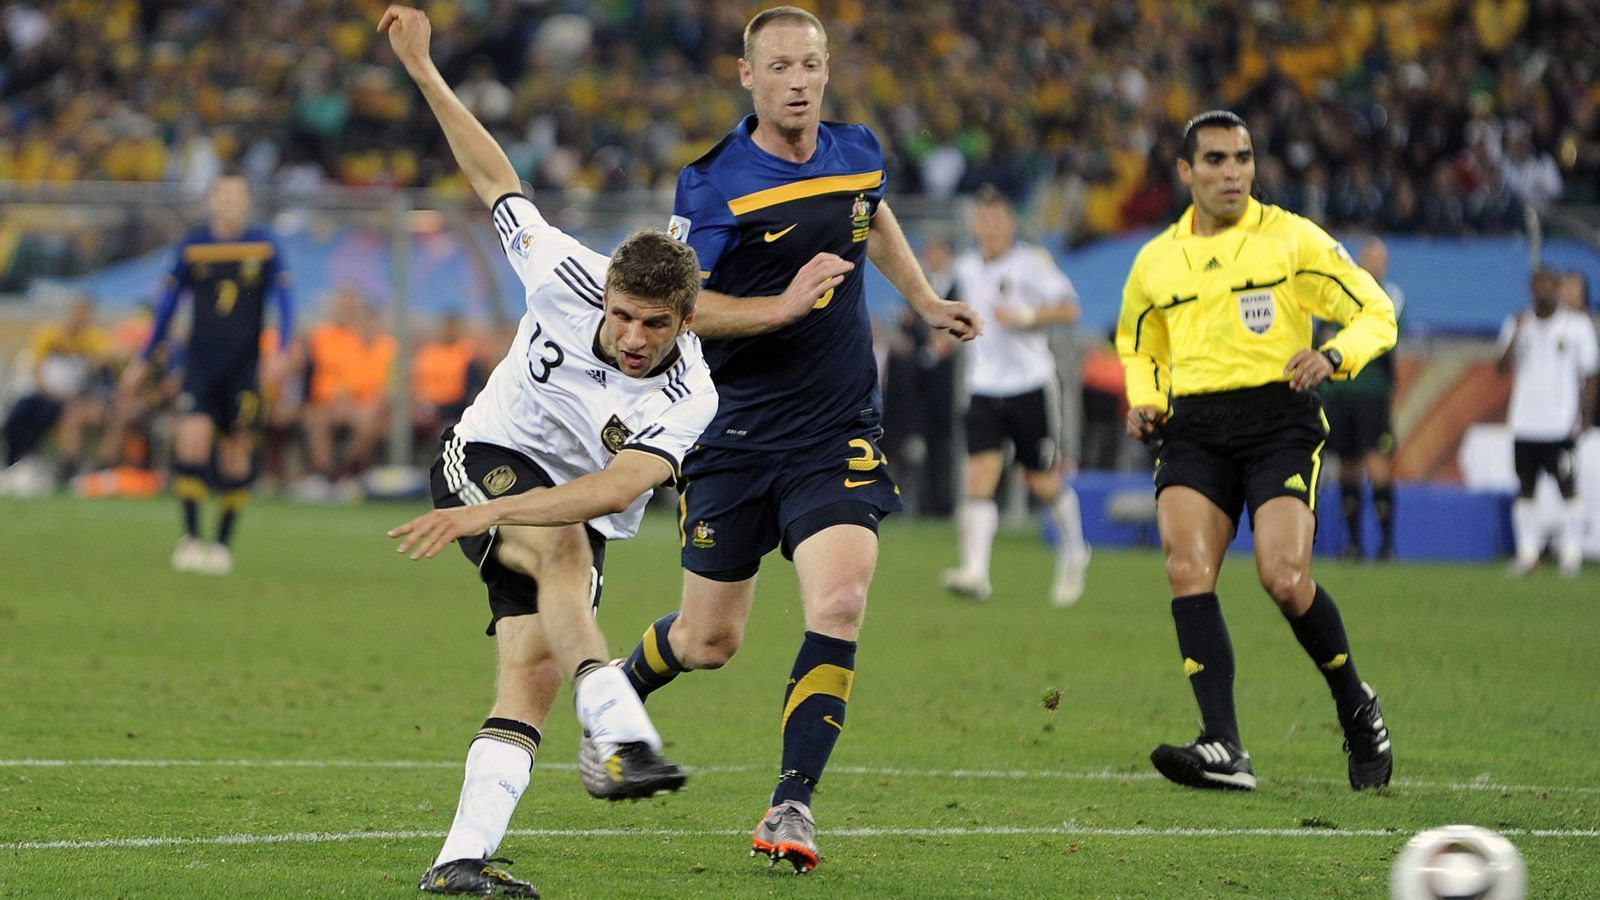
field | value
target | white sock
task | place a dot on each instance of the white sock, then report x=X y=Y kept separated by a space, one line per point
x=611 y=711
x=1069 y=525
x=977 y=524
x=1525 y=525
x=497 y=775
x=1572 y=532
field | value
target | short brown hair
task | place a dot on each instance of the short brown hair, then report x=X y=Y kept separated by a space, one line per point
x=652 y=267
x=780 y=14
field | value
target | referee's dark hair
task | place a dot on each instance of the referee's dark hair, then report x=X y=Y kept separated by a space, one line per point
x=1216 y=118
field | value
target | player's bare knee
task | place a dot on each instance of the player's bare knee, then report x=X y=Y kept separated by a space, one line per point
x=839 y=612
x=711 y=650
x=1284 y=583
x=1189 y=574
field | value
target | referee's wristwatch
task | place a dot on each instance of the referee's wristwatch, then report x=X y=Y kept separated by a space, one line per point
x=1334 y=358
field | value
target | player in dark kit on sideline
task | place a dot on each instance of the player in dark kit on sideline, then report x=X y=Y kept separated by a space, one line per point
x=1215 y=335
x=1360 y=432
x=594 y=405
x=227 y=268
x=791 y=460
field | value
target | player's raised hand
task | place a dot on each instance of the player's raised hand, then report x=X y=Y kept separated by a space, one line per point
x=408 y=31
x=431 y=532
x=812 y=285
x=1307 y=369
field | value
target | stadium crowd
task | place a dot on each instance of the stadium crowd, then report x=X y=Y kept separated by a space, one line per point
x=1439 y=116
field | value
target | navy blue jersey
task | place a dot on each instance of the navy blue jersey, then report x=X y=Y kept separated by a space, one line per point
x=228 y=281
x=754 y=220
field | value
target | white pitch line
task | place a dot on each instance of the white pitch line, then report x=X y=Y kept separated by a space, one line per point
x=1064 y=830
x=1478 y=785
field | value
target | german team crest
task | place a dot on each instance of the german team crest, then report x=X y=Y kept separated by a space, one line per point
x=703 y=535
x=614 y=434
x=499 y=480
x=1258 y=310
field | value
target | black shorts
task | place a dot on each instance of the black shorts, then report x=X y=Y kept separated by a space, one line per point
x=231 y=398
x=1358 y=426
x=1242 y=448
x=737 y=505
x=467 y=473
x=1559 y=458
x=1029 y=421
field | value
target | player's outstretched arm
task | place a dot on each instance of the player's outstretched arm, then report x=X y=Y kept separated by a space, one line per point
x=891 y=253
x=480 y=157
x=610 y=490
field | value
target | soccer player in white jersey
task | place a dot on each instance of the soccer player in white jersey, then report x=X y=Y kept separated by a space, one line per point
x=601 y=394
x=1011 y=374
x=1551 y=353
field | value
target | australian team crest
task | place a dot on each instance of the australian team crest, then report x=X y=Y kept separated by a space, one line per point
x=703 y=535
x=860 y=218
x=499 y=480
x=1258 y=310
x=614 y=435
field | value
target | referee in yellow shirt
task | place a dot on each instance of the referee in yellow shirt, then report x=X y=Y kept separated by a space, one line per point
x=1215 y=334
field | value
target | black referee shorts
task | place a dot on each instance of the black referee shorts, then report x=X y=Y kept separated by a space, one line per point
x=1242 y=448
x=468 y=472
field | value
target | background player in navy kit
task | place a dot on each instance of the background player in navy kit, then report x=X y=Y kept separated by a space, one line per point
x=227 y=267
x=791 y=460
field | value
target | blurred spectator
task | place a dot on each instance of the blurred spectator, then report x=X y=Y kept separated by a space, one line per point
x=919 y=399
x=67 y=373
x=442 y=380
x=350 y=357
x=1105 y=389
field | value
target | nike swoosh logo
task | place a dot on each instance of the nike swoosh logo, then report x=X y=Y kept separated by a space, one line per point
x=771 y=236
x=850 y=483
x=830 y=721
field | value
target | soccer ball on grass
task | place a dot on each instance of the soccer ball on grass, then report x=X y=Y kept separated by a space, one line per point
x=1458 y=861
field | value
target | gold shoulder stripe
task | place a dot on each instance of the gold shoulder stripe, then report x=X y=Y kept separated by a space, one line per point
x=231 y=252
x=799 y=190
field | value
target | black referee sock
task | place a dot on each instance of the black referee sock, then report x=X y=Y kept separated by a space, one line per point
x=1350 y=505
x=652 y=664
x=1208 y=661
x=1383 y=508
x=1321 y=632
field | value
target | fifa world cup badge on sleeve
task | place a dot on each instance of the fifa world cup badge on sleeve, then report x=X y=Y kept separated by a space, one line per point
x=678 y=228
x=522 y=243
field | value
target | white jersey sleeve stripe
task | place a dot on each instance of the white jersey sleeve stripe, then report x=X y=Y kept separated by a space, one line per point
x=565 y=271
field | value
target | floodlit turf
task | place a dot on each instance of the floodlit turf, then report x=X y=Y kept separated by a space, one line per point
x=301 y=725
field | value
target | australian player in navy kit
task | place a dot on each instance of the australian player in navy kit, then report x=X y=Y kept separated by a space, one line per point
x=227 y=267
x=781 y=206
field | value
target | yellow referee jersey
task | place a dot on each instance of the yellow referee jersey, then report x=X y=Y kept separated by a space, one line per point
x=1218 y=313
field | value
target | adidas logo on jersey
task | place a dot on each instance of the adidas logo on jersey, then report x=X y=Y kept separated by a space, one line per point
x=598 y=375
x=1213 y=264
x=1295 y=483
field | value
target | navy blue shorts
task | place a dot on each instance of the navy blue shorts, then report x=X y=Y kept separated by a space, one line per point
x=738 y=505
x=231 y=398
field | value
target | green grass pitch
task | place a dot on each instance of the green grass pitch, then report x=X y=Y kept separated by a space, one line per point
x=297 y=729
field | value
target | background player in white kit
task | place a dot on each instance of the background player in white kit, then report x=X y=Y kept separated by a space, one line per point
x=1551 y=353
x=1015 y=396
x=601 y=394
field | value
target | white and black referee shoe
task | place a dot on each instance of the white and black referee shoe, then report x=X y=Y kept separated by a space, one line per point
x=1214 y=764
